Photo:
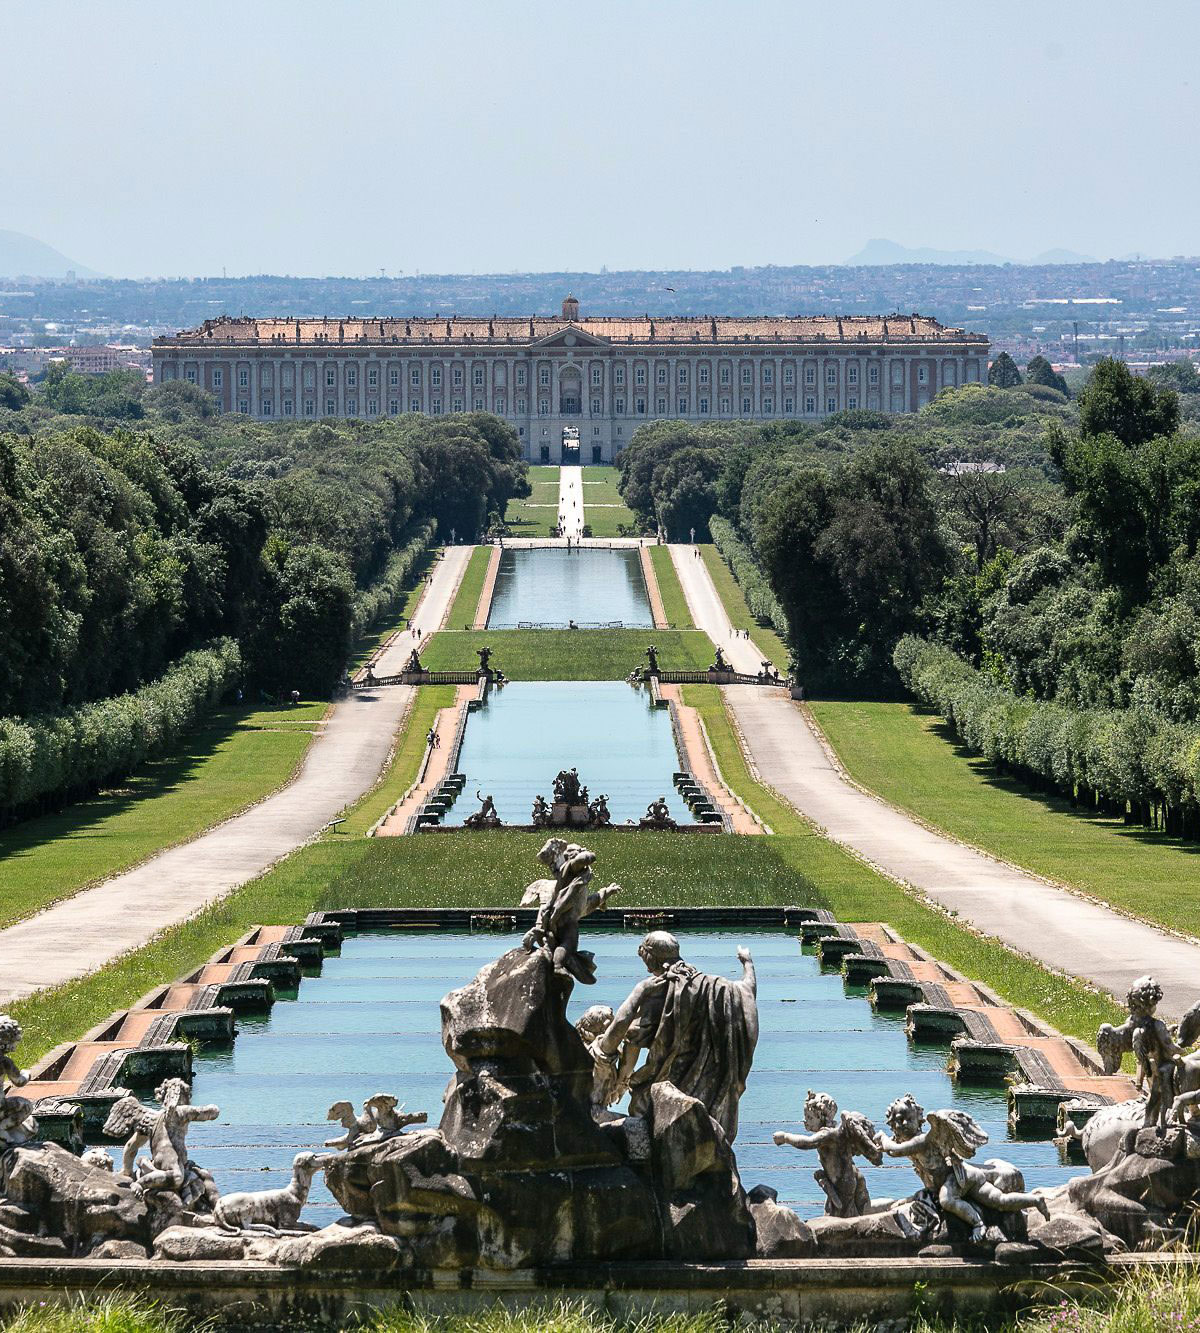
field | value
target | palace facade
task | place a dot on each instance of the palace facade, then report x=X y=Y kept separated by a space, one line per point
x=604 y=376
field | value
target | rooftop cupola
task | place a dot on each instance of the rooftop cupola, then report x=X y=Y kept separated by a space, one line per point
x=570 y=309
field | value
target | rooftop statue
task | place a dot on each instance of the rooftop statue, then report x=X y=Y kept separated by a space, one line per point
x=562 y=903
x=957 y=1186
x=837 y=1145
x=698 y=1032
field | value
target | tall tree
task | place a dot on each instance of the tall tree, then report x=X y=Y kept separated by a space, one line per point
x=1003 y=372
x=1040 y=371
x=1117 y=402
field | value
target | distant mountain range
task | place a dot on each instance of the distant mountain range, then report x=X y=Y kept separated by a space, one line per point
x=880 y=251
x=24 y=256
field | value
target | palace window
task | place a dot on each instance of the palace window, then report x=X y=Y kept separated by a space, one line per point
x=851 y=374
x=768 y=404
x=477 y=377
x=661 y=375
x=702 y=375
x=309 y=407
x=500 y=403
x=330 y=407
x=641 y=407
x=244 y=405
x=478 y=404
x=597 y=374
x=682 y=377
x=351 y=377
x=372 y=407
x=243 y=378
x=789 y=374
x=852 y=402
x=872 y=374
x=373 y=378
x=264 y=376
x=704 y=407
x=521 y=375
x=768 y=374
x=393 y=406
x=309 y=378
x=619 y=375
x=457 y=405
x=725 y=409
x=596 y=408
x=619 y=407
x=831 y=374
x=724 y=374
x=393 y=377
x=435 y=377
x=330 y=377
x=661 y=409
x=190 y=374
x=810 y=404
x=414 y=404
x=522 y=406
x=683 y=407
x=745 y=374
x=352 y=407
x=922 y=374
x=458 y=377
x=287 y=407
x=543 y=407
x=745 y=407
x=266 y=407
x=435 y=406
x=640 y=375
x=789 y=406
x=830 y=404
x=544 y=376
x=218 y=379
x=414 y=376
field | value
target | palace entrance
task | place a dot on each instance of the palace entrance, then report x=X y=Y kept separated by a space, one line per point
x=570 y=446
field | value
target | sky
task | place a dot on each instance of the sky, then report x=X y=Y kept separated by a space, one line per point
x=346 y=137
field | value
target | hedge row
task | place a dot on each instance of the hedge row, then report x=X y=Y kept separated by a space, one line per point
x=1130 y=762
x=389 y=590
x=75 y=752
x=760 y=598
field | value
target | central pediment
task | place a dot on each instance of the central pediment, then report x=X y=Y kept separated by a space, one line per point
x=570 y=335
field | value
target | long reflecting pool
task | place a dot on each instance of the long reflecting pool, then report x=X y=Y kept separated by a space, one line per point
x=370 y=1024
x=530 y=730
x=547 y=587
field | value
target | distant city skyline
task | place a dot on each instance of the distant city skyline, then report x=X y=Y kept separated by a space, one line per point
x=291 y=138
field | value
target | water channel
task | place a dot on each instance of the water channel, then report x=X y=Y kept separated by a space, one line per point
x=369 y=1024
x=530 y=730
x=548 y=587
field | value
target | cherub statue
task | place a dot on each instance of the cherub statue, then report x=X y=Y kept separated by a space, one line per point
x=1187 y=1103
x=598 y=812
x=1154 y=1050
x=607 y=1086
x=541 y=812
x=563 y=902
x=939 y=1157
x=836 y=1146
x=17 y=1124
x=169 y=1170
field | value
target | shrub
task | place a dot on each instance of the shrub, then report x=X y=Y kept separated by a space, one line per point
x=389 y=589
x=764 y=605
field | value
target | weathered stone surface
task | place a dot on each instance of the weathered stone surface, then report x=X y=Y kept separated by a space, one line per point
x=355 y=1248
x=76 y=1202
x=119 y=1249
x=24 y=1243
x=685 y=1141
x=778 y=1231
x=876 y=1235
x=191 y=1244
x=1073 y=1236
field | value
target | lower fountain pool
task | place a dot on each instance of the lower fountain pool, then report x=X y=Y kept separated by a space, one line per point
x=370 y=1024
x=530 y=730
x=547 y=587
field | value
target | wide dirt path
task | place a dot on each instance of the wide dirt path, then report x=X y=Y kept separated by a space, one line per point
x=83 y=933
x=570 y=501
x=1061 y=929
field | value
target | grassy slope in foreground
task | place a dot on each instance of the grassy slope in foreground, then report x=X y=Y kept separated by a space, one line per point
x=912 y=759
x=603 y=509
x=730 y=594
x=535 y=516
x=674 y=603
x=238 y=756
x=855 y=892
x=466 y=599
x=569 y=654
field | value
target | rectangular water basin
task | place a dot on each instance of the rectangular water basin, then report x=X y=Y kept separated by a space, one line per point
x=549 y=587
x=370 y=1024
x=531 y=730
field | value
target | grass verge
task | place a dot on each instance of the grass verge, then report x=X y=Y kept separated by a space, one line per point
x=466 y=599
x=403 y=769
x=603 y=509
x=568 y=654
x=238 y=756
x=675 y=605
x=855 y=892
x=911 y=758
x=535 y=516
x=730 y=593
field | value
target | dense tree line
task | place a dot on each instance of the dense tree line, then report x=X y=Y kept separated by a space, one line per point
x=126 y=544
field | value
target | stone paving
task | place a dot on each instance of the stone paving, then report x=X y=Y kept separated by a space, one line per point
x=1061 y=929
x=84 y=932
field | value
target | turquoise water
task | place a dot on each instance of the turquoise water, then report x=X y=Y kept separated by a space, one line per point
x=548 y=587
x=370 y=1024
x=530 y=730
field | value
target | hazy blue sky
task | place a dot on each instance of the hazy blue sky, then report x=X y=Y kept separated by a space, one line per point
x=292 y=136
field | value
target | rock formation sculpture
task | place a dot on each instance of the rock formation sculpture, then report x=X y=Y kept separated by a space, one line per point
x=836 y=1146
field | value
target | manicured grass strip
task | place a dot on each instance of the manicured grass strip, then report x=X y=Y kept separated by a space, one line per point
x=466 y=600
x=675 y=604
x=531 y=517
x=406 y=762
x=238 y=756
x=857 y=893
x=730 y=594
x=569 y=654
x=367 y=645
x=911 y=758
x=600 y=495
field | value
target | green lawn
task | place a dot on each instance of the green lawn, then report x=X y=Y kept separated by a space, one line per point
x=674 y=603
x=404 y=766
x=911 y=758
x=237 y=757
x=730 y=593
x=535 y=516
x=566 y=654
x=603 y=509
x=466 y=600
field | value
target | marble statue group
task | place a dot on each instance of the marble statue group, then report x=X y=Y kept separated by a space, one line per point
x=533 y=1162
